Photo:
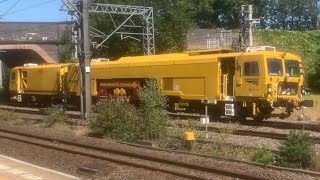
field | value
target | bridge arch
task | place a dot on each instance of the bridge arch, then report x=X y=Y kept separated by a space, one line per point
x=34 y=47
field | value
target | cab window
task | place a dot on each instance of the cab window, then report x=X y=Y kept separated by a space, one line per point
x=251 y=68
x=274 y=67
x=292 y=68
x=24 y=74
x=13 y=76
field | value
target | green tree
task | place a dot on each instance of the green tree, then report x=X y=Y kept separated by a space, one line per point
x=223 y=13
x=290 y=14
x=313 y=74
x=153 y=107
x=67 y=47
x=172 y=20
x=297 y=150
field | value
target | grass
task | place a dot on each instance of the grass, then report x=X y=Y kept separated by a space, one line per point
x=7 y=115
x=176 y=141
x=312 y=113
x=223 y=151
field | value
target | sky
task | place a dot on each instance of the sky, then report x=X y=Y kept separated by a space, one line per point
x=32 y=11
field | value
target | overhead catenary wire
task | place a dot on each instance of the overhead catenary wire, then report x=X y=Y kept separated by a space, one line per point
x=3 y=1
x=29 y=7
x=11 y=8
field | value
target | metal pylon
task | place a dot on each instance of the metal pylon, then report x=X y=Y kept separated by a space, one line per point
x=113 y=9
x=147 y=25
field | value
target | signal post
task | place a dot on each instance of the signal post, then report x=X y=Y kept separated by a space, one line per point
x=85 y=78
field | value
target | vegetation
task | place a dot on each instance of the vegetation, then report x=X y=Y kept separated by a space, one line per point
x=54 y=115
x=153 y=107
x=7 y=115
x=304 y=44
x=228 y=128
x=121 y=120
x=175 y=138
x=66 y=50
x=297 y=151
x=316 y=163
x=262 y=155
x=288 y=14
x=174 y=19
x=116 y=119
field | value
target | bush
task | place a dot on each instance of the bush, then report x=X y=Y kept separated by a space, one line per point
x=120 y=120
x=54 y=115
x=262 y=155
x=297 y=151
x=116 y=119
x=153 y=110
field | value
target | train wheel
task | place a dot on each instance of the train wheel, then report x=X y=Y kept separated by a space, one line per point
x=241 y=118
x=259 y=117
x=242 y=115
x=215 y=115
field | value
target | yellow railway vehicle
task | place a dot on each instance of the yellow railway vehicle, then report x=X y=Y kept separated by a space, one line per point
x=33 y=83
x=231 y=83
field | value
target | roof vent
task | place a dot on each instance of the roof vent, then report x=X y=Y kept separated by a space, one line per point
x=99 y=60
x=30 y=64
x=260 y=48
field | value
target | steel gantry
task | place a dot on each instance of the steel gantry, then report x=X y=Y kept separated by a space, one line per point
x=146 y=13
x=147 y=25
x=81 y=9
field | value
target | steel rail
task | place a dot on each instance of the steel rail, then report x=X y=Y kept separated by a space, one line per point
x=144 y=157
x=271 y=135
x=274 y=124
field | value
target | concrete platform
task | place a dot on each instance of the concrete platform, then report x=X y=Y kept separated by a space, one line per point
x=13 y=169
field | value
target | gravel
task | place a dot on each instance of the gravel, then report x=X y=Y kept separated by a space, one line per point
x=69 y=163
x=58 y=161
x=250 y=141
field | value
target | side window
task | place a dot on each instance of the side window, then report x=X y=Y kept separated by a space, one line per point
x=13 y=76
x=24 y=74
x=251 y=68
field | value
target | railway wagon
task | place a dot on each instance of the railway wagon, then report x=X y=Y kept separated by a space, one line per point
x=239 y=84
x=32 y=83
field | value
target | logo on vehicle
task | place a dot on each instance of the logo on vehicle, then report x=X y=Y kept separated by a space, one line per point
x=253 y=81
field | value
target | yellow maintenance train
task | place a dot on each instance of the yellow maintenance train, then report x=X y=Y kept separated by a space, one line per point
x=239 y=84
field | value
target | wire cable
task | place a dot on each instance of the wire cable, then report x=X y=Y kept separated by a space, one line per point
x=11 y=8
x=29 y=7
x=3 y=1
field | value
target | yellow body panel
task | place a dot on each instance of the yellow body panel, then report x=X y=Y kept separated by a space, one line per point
x=212 y=75
x=176 y=77
x=43 y=80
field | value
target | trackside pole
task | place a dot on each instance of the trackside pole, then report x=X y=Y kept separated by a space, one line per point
x=205 y=102
x=206 y=108
x=85 y=57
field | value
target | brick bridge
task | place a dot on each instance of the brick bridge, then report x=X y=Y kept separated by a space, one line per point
x=37 y=42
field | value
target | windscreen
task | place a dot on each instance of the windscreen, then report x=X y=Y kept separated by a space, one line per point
x=274 y=67
x=292 y=68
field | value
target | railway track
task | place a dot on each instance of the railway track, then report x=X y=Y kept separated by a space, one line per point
x=74 y=115
x=271 y=135
x=177 y=168
x=274 y=124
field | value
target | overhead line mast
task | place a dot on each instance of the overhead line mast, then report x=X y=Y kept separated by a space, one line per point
x=81 y=9
x=84 y=40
